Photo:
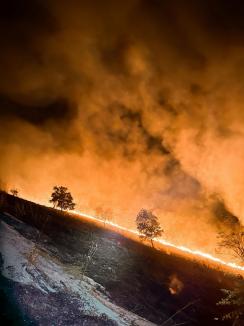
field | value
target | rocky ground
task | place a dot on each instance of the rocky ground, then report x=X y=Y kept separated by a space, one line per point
x=58 y=270
x=47 y=290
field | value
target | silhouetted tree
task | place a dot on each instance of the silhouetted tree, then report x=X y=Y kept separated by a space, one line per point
x=234 y=241
x=62 y=198
x=148 y=225
x=105 y=214
x=14 y=192
x=235 y=299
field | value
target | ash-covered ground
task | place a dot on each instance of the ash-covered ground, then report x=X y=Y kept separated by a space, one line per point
x=59 y=270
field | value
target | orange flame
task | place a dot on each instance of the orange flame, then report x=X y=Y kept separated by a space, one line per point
x=196 y=253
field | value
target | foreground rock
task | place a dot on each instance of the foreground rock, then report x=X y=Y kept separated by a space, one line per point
x=49 y=292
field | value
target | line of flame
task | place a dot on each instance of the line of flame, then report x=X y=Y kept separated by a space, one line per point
x=167 y=243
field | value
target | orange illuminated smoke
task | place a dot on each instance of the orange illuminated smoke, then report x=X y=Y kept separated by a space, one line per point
x=196 y=253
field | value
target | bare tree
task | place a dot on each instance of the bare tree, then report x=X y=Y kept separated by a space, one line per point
x=234 y=242
x=234 y=298
x=148 y=225
x=62 y=198
x=87 y=258
x=105 y=214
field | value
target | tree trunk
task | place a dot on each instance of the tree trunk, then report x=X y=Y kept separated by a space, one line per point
x=152 y=243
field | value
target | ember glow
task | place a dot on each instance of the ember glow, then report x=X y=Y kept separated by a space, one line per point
x=131 y=111
x=128 y=104
x=196 y=253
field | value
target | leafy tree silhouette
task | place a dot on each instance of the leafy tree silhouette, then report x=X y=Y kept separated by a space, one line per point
x=148 y=225
x=62 y=198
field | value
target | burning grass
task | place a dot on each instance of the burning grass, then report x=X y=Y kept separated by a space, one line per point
x=136 y=276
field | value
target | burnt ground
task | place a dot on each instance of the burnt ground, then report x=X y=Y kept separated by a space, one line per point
x=135 y=276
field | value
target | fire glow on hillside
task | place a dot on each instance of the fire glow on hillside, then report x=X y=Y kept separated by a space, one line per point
x=125 y=113
x=197 y=254
x=131 y=111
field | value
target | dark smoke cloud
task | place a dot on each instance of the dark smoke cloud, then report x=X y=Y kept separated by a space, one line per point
x=224 y=217
x=130 y=104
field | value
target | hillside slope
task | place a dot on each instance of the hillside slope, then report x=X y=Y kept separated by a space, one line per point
x=50 y=290
x=126 y=279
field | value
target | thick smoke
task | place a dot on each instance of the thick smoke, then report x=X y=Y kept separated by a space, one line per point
x=130 y=104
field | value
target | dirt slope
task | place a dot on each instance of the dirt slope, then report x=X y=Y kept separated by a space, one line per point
x=135 y=277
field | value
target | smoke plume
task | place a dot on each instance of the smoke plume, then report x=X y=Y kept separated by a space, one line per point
x=129 y=104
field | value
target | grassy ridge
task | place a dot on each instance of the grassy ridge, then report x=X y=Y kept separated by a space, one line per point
x=136 y=277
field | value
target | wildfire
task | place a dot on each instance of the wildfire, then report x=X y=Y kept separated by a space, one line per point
x=196 y=253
